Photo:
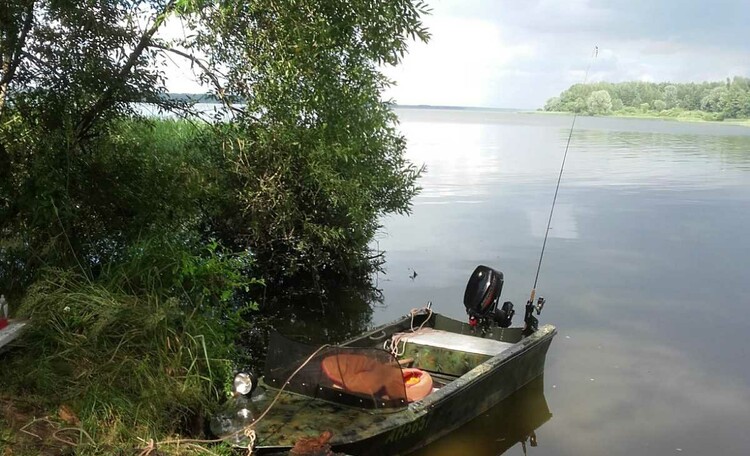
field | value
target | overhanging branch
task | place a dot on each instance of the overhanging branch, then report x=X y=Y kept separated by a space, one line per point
x=9 y=71
x=89 y=117
x=220 y=92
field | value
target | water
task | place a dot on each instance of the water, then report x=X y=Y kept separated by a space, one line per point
x=645 y=274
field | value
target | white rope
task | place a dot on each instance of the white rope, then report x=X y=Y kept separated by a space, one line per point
x=250 y=434
x=395 y=344
x=392 y=345
x=415 y=311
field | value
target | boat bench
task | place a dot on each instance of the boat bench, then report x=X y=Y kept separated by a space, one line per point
x=447 y=352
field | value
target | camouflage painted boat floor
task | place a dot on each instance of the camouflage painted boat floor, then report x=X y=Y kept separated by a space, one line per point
x=295 y=416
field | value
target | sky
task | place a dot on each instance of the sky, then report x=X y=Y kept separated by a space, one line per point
x=519 y=53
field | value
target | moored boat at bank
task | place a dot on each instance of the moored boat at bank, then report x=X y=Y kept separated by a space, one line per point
x=394 y=388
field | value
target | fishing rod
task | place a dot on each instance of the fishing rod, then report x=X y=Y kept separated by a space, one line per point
x=529 y=319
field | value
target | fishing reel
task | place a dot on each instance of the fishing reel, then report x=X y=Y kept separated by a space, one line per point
x=482 y=299
x=531 y=323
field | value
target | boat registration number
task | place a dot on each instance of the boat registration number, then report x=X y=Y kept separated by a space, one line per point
x=409 y=429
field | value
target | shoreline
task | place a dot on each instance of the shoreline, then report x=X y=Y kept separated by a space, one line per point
x=737 y=122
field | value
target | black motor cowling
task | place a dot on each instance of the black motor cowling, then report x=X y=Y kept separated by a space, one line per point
x=482 y=295
x=483 y=291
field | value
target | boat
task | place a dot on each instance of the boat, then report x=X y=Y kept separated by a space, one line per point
x=392 y=389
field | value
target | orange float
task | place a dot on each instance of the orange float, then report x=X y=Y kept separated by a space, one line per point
x=418 y=384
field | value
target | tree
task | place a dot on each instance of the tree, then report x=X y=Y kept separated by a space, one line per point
x=671 y=96
x=319 y=91
x=135 y=242
x=715 y=100
x=617 y=104
x=733 y=102
x=599 y=103
x=554 y=104
x=313 y=158
x=724 y=97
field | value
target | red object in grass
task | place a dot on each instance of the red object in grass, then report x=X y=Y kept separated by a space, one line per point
x=3 y=323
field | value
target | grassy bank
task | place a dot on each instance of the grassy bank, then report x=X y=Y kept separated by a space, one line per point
x=132 y=312
x=145 y=266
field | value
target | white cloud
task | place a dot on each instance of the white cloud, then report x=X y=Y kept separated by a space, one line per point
x=462 y=65
x=518 y=54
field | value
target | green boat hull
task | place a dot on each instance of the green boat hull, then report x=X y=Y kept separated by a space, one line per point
x=470 y=396
x=358 y=431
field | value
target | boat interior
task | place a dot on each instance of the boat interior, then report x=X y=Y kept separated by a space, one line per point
x=390 y=366
x=405 y=361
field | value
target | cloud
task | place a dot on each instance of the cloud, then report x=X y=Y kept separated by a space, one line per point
x=518 y=54
x=461 y=65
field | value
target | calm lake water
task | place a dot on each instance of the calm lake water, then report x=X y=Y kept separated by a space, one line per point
x=646 y=273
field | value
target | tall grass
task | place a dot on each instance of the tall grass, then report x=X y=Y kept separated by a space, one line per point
x=130 y=365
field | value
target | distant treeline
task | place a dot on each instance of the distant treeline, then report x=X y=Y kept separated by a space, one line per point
x=728 y=99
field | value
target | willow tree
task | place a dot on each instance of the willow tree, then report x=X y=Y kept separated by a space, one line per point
x=307 y=161
x=318 y=159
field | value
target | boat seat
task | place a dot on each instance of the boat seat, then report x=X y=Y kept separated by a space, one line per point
x=447 y=352
x=454 y=341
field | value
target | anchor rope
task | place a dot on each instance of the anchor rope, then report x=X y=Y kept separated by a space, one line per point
x=394 y=344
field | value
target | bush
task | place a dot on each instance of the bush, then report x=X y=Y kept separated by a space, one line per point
x=83 y=209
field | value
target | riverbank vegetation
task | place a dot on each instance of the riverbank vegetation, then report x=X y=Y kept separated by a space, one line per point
x=143 y=250
x=713 y=101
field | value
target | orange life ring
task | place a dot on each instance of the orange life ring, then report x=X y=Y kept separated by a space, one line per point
x=418 y=384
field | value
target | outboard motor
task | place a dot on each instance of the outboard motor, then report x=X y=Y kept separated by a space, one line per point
x=482 y=296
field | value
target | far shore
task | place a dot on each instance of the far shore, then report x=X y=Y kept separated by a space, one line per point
x=645 y=115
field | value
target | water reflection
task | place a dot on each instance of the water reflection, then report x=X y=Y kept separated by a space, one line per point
x=645 y=273
x=330 y=317
x=513 y=422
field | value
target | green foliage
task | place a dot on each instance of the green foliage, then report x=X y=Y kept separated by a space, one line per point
x=599 y=103
x=553 y=104
x=136 y=245
x=617 y=104
x=137 y=180
x=316 y=158
x=671 y=96
x=726 y=99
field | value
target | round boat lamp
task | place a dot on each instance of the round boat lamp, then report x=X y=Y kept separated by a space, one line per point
x=244 y=383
